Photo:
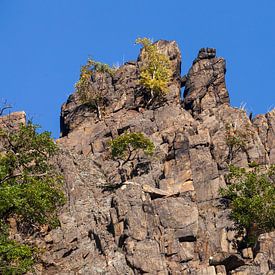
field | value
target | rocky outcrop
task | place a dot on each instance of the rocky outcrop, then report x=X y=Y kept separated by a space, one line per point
x=163 y=214
x=265 y=125
x=264 y=260
x=205 y=83
x=13 y=120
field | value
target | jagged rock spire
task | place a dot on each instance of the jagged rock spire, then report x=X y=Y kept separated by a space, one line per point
x=205 y=86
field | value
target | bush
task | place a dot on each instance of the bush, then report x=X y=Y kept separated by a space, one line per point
x=15 y=258
x=89 y=95
x=30 y=188
x=251 y=196
x=127 y=146
x=156 y=71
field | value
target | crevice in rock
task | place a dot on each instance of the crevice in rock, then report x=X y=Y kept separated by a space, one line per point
x=230 y=261
x=110 y=229
x=148 y=208
x=69 y=252
x=154 y=196
x=121 y=240
x=93 y=236
x=187 y=239
x=86 y=255
x=74 y=240
x=123 y=129
x=141 y=168
x=134 y=268
x=185 y=261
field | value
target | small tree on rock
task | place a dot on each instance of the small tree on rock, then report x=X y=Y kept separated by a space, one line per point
x=88 y=94
x=155 y=72
x=251 y=198
x=128 y=146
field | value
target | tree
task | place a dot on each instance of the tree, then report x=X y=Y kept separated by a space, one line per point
x=30 y=190
x=127 y=146
x=89 y=95
x=251 y=198
x=155 y=72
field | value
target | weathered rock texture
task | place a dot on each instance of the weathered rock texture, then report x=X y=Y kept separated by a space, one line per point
x=165 y=214
x=205 y=83
x=11 y=122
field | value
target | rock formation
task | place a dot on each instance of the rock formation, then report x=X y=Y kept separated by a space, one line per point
x=167 y=216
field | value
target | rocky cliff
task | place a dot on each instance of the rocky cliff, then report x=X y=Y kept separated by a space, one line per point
x=166 y=216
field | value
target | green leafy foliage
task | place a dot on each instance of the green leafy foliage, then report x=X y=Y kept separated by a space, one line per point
x=252 y=200
x=127 y=146
x=89 y=95
x=30 y=187
x=15 y=258
x=156 y=71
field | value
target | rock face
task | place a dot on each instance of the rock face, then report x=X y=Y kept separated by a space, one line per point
x=205 y=83
x=13 y=120
x=163 y=214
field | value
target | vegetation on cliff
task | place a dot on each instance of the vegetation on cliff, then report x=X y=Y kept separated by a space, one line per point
x=252 y=196
x=127 y=146
x=30 y=191
x=15 y=258
x=155 y=72
x=236 y=139
x=154 y=76
x=87 y=93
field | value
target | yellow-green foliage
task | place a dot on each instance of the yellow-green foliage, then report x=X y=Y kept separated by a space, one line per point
x=83 y=86
x=127 y=145
x=156 y=71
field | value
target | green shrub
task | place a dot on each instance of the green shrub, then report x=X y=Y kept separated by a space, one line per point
x=127 y=146
x=30 y=188
x=15 y=258
x=89 y=95
x=252 y=200
x=156 y=71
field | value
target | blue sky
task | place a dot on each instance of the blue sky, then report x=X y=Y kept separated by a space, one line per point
x=45 y=42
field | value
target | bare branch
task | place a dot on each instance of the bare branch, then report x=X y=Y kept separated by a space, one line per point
x=5 y=107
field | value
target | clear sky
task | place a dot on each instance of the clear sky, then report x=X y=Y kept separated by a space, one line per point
x=45 y=42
